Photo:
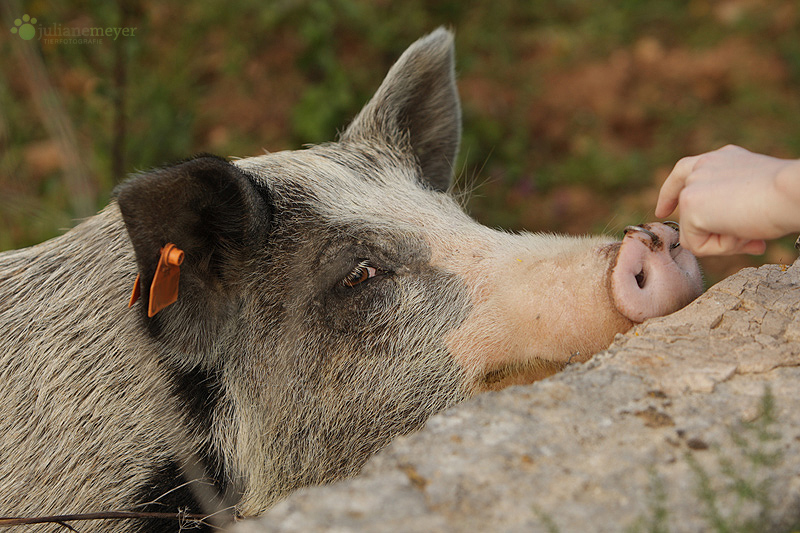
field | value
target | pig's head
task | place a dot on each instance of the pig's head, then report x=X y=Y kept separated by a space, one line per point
x=334 y=297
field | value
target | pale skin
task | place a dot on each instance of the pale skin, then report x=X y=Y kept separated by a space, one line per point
x=732 y=200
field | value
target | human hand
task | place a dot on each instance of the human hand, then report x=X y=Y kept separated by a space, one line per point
x=731 y=200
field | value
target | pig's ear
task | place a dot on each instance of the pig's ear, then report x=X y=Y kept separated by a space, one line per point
x=208 y=208
x=418 y=104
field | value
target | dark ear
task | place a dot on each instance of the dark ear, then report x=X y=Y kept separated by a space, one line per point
x=417 y=104
x=212 y=211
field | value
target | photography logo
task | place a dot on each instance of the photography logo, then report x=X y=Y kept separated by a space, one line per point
x=56 y=33
x=25 y=28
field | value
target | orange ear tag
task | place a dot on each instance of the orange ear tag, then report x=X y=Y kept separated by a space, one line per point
x=164 y=289
x=136 y=292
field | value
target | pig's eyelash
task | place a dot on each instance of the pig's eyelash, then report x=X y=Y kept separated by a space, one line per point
x=361 y=273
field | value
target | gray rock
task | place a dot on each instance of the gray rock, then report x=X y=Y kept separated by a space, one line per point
x=653 y=434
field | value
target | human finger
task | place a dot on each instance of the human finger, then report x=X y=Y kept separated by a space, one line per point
x=755 y=247
x=716 y=244
x=675 y=182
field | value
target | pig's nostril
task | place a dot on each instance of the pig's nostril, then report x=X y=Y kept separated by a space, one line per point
x=640 y=279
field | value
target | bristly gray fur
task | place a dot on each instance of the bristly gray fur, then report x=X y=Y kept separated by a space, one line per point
x=309 y=378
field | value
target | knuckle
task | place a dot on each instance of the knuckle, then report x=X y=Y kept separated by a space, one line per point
x=732 y=148
x=703 y=161
x=686 y=164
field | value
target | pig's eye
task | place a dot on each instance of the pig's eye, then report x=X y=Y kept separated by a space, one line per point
x=361 y=273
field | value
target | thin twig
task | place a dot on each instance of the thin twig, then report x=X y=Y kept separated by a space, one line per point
x=109 y=515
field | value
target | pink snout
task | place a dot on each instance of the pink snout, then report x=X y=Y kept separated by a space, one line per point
x=654 y=275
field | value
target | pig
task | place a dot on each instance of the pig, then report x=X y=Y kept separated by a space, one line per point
x=323 y=301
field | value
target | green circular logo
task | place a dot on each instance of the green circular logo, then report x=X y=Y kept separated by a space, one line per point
x=25 y=28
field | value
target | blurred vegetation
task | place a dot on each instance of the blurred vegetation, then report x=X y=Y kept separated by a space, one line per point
x=574 y=111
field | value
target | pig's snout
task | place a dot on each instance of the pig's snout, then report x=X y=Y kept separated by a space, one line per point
x=653 y=275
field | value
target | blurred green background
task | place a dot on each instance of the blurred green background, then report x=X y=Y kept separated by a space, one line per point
x=574 y=111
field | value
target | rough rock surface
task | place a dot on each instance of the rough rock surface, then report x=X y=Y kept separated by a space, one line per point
x=626 y=441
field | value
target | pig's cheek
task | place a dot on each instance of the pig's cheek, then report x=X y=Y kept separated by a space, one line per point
x=647 y=284
x=475 y=342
